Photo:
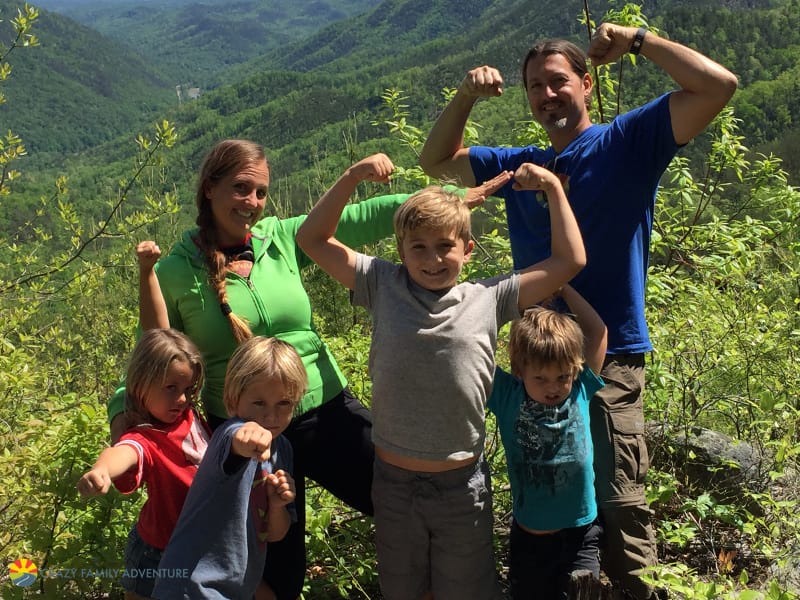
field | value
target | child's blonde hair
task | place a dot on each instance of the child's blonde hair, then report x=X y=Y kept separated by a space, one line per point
x=544 y=336
x=150 y=360
x=432 y=208
x=261 y=356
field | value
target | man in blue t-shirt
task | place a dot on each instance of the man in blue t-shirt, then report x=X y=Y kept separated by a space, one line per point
x=611 y=174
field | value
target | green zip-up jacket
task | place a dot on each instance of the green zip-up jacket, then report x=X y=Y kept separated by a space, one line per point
x=272 y=299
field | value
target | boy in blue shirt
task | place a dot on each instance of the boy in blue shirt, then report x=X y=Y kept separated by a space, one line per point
x=242 y=496
x=542 y=414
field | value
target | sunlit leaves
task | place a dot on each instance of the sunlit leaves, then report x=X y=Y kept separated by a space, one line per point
x=11 y=149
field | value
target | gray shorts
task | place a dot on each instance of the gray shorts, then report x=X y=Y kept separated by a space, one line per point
x=433 y=532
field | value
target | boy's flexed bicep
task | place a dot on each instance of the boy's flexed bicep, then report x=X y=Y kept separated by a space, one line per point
x=316 y=235
x=567 y=253
x=335 y=258
x=594 y=329
x=541 y=281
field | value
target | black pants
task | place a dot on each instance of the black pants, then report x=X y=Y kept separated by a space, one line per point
x=541 y=564
x=333 y=446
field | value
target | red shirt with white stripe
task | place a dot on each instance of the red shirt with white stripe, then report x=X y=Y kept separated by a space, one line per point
x=168 y=459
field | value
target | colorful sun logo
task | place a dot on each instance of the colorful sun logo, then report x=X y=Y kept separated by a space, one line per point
x=22 y=572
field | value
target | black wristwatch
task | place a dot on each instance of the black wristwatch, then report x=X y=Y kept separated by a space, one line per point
x=638 y=40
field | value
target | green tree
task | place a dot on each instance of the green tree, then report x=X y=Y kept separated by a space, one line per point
x=11 y=147
x=68 y=318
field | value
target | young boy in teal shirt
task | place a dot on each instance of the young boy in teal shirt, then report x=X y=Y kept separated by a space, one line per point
x=542 y=412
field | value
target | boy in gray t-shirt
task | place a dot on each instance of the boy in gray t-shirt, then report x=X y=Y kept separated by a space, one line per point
x=431 y=363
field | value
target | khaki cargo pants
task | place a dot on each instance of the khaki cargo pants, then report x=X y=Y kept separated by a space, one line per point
x=620 y=463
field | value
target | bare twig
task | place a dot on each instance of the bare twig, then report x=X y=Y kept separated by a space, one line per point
x=100 y=232
x=596 y=71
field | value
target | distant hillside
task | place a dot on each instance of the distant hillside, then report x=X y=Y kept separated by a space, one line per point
x=312 y=103
x=319 y=107
x=421 y=46
x=196 y=42
x=418 y=46
x=402 y=28
x=77 y=89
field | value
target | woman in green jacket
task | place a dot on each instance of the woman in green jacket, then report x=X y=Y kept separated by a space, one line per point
x=238 y=274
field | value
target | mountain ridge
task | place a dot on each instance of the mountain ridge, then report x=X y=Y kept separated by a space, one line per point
x=76 y=88
x=316 y=99
x=197 y=41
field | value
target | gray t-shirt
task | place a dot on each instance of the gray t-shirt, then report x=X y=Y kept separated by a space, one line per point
x=432 y=358
x=220 y=538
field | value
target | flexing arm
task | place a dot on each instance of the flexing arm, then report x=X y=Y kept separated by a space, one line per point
x=594 y=330
x=111 y=463
x=444 y=154
x=316 y=234
x=567 y=254
x=152 y=308
x=705 y=86
x=156 y=311
x=152 y=315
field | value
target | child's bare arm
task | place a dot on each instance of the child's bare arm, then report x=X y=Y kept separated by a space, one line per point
x=111 y=463
x=280 y=492
x=594 y=329
x=152 y=308
x=567 y=254
x=316 y=234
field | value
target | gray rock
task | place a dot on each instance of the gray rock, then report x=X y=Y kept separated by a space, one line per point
x=787 y=574
x=710 y=461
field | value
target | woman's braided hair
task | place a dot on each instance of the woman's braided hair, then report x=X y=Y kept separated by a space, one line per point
x=226 y=157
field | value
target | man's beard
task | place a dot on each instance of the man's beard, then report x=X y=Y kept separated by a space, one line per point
x=553 y=123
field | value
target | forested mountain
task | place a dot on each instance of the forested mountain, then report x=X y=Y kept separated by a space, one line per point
x=81 y=88
x=196 y=42
x=77 y=88
x=420 y=47
x=315 y=99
